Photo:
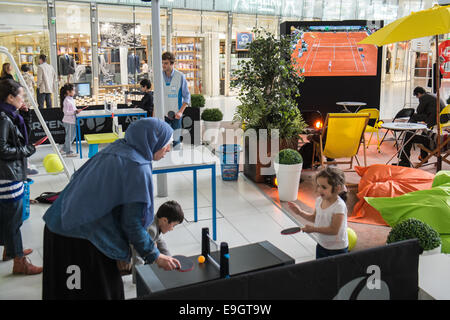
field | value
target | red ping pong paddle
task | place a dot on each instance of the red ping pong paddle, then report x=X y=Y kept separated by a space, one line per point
x=185 y=262
x=291 y=230
x=40 y=141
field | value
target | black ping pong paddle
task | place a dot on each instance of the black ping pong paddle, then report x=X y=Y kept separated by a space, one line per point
x=291 y=230
x=185 y=262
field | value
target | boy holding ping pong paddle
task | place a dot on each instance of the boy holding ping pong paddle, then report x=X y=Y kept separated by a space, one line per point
x=330 y=214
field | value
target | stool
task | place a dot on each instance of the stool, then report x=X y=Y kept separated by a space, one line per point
x=95 y=139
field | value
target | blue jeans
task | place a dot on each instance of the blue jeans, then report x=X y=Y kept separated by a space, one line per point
x=321 y=252
x=176 y=124
x=41 y=97
x=70 y=137
x=10 y=223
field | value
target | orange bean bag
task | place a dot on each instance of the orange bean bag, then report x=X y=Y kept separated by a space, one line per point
x=380 y=180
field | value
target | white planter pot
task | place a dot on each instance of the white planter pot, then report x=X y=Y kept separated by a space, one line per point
x=432 y=251
x=288 y=179
x=211 y=131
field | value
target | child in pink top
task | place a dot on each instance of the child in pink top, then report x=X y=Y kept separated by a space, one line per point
x=70 y=110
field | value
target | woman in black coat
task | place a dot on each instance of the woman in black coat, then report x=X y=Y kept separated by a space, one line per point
x=14 y=151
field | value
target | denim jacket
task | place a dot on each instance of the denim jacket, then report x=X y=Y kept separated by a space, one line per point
x=112 y=234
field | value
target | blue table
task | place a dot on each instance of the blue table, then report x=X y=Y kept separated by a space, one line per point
x=103 y=114
x=186 y=159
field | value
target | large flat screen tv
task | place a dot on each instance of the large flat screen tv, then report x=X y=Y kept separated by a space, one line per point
x=336 y=68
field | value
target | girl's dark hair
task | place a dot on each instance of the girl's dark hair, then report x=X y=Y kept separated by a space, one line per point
x=335 y=177
x=5 y=68
x=24 y=67
x=172 y=211
x=63 y=92
x=8 y=87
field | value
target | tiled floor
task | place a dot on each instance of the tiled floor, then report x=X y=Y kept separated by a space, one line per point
x=244 y=215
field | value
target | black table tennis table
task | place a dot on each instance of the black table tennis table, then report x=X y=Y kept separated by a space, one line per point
x=243 y=259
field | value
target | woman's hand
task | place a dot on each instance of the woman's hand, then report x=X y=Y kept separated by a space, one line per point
x=78 y=111
x=167 y=263
x=178 y=115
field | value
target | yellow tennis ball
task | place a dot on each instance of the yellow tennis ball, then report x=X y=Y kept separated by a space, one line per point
x=352 y=237
x=49 y=156
x=53 y=165
x=201 y=259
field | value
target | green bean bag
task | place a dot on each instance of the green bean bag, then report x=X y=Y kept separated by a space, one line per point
x=430 y=206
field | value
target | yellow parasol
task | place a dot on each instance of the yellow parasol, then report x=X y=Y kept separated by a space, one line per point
x=425 y=23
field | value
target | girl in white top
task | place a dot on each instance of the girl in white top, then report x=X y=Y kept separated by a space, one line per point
x=70 y=110
x=330 y=214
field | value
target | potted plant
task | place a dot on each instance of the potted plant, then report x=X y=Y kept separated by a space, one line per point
x=211 y=118
x=197 y=101
x=288 y=167
x=269 y=84
x=412 y=228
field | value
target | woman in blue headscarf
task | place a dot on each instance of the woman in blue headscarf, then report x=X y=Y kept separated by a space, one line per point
x=107 y=205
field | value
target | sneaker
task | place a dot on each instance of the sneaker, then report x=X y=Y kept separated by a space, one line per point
x=31 y=172
x=401 y=164
x=23 y=265
x=70 y=155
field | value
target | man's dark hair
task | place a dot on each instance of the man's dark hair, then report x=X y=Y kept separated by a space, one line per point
x=418 y=90
x=172 y=211
x=43 y=57
x=168 y=56
x=24 y=67
x=8 y=87
x=146 y=83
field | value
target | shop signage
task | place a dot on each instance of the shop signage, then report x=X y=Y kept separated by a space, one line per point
x=243 y=40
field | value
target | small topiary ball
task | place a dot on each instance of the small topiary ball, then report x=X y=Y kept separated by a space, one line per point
x=415 y=229
x=289 y=156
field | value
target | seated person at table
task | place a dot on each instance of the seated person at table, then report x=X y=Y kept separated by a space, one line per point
x=146 y=102
x=425 y=112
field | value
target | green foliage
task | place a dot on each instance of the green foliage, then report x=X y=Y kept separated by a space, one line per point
x=213 y=114
x=413 y=228
x=197 y=101
x=269 y=86
x=288 y=156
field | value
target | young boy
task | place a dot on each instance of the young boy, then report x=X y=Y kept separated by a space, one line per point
x=168 y=216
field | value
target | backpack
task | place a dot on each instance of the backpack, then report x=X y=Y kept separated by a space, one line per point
x=48 y=197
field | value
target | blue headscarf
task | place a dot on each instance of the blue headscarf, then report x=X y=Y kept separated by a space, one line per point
x=119 y=174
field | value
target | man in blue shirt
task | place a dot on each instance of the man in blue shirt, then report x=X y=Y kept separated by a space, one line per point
x=176 y=95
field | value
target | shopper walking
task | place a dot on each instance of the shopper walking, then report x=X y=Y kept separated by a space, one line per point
x=107 y=205
x=14 y=150
x=176 y=94
x=7 y=70
x=46 y=82
x=70 y=110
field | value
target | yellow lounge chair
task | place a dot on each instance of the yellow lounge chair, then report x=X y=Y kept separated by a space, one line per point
x=344 y=134
x=374 y=124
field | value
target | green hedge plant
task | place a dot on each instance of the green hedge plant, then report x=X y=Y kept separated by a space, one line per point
x=197 y=101
x=413 y=228
x=212 y=114
x=288 y=156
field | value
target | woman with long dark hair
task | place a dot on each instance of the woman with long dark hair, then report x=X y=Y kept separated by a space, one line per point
x=14 y=151
x=7 y=70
